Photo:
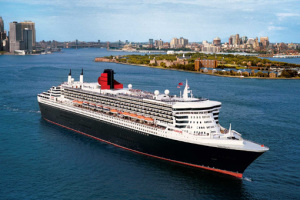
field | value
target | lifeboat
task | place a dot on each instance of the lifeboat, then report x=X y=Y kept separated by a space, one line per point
x=79 y=102
x=113 y=111
x=125 y=113
x=140 y=117
x=148 y=119
x=133 y=115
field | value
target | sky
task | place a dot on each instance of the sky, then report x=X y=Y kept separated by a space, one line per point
x=139 y=20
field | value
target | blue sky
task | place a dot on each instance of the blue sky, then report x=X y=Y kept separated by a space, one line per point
x=139 y=20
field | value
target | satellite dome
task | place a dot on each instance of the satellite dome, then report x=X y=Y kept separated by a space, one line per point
x=167 y=92
x=156 y=92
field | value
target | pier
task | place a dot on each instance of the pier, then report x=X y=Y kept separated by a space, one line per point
x=286 y=56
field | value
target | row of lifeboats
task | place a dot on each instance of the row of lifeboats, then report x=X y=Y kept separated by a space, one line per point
x=113 y=111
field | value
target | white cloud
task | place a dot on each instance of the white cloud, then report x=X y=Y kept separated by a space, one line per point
x=276 y=28
x=283 y=16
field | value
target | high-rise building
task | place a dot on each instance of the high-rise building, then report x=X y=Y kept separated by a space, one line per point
x=158 y=43
x=174 y=43
x=230 y=40
x=244 y=39
x=250 y=41
x=217 y=41
x=183 y=41
x=265 y=41
x=237 y=39
x=2 y=34
x=16 y=35
x=27 y=39
x=179 y=43
x=234 y=39
x=256 y=43
x=1 y=25
x=31 y=26
x=151 y=43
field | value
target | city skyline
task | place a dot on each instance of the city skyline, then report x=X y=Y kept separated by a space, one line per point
x=117 y=20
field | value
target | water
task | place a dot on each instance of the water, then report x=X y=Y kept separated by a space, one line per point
x=41 y=161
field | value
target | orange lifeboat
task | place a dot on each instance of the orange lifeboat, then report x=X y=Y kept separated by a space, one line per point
x=148 y=119
x=141 y=117
x=79 y=102
x=125 y=113
x=113 y=111
x=133 y=115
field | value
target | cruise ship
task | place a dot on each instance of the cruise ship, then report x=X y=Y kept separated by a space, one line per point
x=180 y=129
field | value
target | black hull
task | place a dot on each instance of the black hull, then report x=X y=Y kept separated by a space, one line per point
x=232 y=162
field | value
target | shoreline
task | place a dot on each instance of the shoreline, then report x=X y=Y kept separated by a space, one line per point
x=197 y=72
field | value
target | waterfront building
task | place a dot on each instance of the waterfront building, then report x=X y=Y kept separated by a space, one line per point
x=31 y=26
x=205 y=64
x=16 y=35
x=1 y=25
x=2 y=35
x=27 y=38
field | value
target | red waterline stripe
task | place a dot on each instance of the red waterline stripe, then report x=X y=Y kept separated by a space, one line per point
x=238 y=175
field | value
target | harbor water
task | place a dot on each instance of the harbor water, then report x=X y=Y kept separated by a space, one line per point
x=39 y=160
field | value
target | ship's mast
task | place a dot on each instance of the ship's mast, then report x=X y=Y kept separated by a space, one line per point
x=186 y=91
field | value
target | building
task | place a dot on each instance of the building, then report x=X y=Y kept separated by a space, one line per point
x=230 y=40
x=244 y=39
x=166 y=45
x=150 y=43
x=16 y=36
x=179 y=43
x=265 y=41
x=234 y=40
x=31 y=26
x=1 y=25
x=158 y=43
x=183 y=41
x=211 y=49
x=27 y=39
x=217 y=41
x=2 y=35
x=174 y=43
x=237 y=39
x=205 y=63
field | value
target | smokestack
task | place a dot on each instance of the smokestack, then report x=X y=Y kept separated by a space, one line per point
x=81 y=77
x=69 y=78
